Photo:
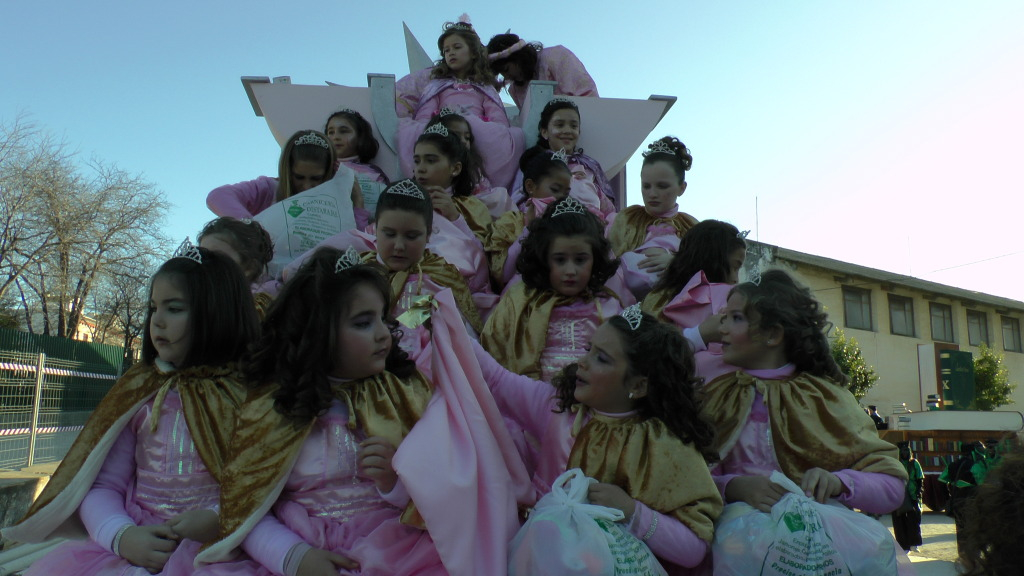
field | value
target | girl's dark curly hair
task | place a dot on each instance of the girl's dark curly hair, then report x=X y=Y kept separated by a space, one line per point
x=248 y=238
x=550 y=108
x=992 y=520
x=300 y=332
x=480 y=70
x=451 y=147
x=532 y=263
x=706 y=247
x=780 y=301
x=526 y=57
x=658 y=352
x=680 y=158
x=474 y=162
x=222 y=316
x=366 y=145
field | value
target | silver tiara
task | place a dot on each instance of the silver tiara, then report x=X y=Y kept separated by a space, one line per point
x=347 y=260
x=561 y=156
x=633 y=315
x=437 y=129
x=569 y=205
x=311 y=138
x=559 y=99
x=743 y=234
x=406 y=188
x=188 y=250
x=348 y=111
x=446 y=111
x=659 y=147
x=247 y=221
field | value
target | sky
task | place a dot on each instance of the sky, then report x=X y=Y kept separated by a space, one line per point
x=879 y=133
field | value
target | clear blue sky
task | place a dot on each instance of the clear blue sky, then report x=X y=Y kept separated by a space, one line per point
x=887 y=134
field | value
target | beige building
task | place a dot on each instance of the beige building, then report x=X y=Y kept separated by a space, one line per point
x=900 y=321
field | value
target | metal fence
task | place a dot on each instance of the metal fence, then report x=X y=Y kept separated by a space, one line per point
x=48 y=388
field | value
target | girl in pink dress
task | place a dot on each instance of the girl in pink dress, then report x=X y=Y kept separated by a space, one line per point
x=546 y=179
x=647 y=236
x=542 y=323
x=144 y=474
x=519 y=62
x=249 y=245
x=626 y=414
x=316 y=485
x=462 y=80
x=693 y=290
x=560 y=130
x=495 y=198
x=788 y=409
x=355 y=147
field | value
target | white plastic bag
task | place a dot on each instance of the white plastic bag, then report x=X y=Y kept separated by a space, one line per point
x=800 y=537
x=567 y=536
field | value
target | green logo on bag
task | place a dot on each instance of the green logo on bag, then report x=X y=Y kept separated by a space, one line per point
x=295 y=209
x=794 y=521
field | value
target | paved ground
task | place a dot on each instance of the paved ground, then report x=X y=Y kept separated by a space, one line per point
x=937 y=555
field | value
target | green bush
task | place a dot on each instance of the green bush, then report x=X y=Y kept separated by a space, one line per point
x=851 y=361
x=992 y=386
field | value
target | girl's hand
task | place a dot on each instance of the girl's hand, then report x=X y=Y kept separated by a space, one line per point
x=612 y=496
x=656 y=261
x=375 y=454
x=821 y=485
x=758 y=491
x=709 y=328
x=317 y=562
x=357 y=195
x=443 y=203
x=148 y=547
x=199 y=525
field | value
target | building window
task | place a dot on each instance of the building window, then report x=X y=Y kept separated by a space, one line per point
x=901 y=315
x=942 y=322
x=1011 y=334
x=977 y=328
x=857 y=307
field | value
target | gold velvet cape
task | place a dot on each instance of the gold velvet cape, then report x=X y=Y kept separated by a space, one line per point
x=267 y=444
x=517 y=330
x=477 y=216
x=442 y=273
x=629 y=230
x=503 y=234
x=814 y=423
x=210 y=397
x=653 y=466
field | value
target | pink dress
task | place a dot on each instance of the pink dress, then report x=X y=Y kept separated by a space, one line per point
x=146 y=479
x=326 y=505
x=558 y=64
x=589 y=185
x=530 y=404
x=496 y=199
x=500 y=145
x=569 y=331
x=696 y=302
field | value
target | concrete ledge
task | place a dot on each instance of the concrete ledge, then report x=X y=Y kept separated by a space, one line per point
x=18 y=489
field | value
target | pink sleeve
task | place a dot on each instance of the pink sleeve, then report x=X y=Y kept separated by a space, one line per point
x=526 y=401
x=243 y=200
x=872 y=492
x=722 y=480
x=102 y=510
x=398 y=497
x=362 y=217
x=570 y=73
x=270 y=542
x=493 y=110
x=671 y=540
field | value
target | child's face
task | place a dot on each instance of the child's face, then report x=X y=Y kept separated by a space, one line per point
x=570 y=261
x=170 y=320
x=461 y=129
x=660 y=187
x=432 y=167
x=736 y=259
x=457 y=55
x=601 y=381
x=563 y=130
x=219 y=244
x=363 y=339
x=401 y=239
x=343 y=135
x=743 y=345
x=307 y=174
x=555 y=185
